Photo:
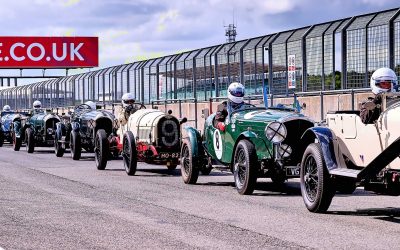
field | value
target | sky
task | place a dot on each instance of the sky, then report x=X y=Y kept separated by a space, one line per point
x=129 y=31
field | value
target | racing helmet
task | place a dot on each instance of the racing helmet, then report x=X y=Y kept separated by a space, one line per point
x=383 y=80
x=37 y=104
x=236 y=92
x=91 y=104
x=127 y=99
x=6 y=108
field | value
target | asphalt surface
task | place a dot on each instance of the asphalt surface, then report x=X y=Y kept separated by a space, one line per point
x=57 y=203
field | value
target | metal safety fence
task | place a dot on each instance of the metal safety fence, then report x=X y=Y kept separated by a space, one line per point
x=336 y=55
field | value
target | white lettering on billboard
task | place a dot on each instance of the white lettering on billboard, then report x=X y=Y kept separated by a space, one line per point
x=74 y=52
x=42 y=52
x=64 y=52
x=12 y=52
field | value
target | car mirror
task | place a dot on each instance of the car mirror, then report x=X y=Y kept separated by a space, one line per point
x=169 y=111
x=183 y=120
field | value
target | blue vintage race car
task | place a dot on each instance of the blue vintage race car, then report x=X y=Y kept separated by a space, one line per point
x=11 y=128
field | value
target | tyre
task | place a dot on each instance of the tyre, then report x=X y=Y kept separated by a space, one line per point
x=190 y=166
x=75 y=145
x=101 y=149
x=17 y=142
x=129 y=153
x=30 y=140
x=316 y=186
x=1 y=139
x=58 y=149
x=245 y=167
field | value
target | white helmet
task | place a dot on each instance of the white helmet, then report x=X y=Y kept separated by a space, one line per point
x=6 y=108
x=91 y=104
x=127 y=99
x=383 y=80
x=37 y=104
x=236 y=92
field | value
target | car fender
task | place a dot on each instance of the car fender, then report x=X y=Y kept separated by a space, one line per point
x=75 y=126
x=195 y=140
x=17 y=128
x=258 y=142
x=324 y=137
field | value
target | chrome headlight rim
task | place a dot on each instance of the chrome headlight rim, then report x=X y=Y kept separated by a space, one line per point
x=276 y=132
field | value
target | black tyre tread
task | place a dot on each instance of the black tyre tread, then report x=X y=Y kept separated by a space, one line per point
x=251 y=175
x=325 y=191
x=131 y=166
x=194 y=164
x=30 y=141
x=1 y=139
x=76 y=149
x=58 y=149
x=101 y=163
x=17 y=142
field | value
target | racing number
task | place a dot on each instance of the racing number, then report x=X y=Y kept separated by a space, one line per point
x=217 y=142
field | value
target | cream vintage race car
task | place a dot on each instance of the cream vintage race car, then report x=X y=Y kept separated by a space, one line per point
x=346 y=153
x=150 y=136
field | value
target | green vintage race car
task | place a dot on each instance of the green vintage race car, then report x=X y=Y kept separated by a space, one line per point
x=256 y=142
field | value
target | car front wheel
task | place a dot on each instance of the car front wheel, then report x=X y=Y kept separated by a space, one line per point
x=75 y=145
x=189 y=164
x=245 y=167
x=30 y=140
x=58 y=149
x=17 y=141
x=129 y=153
x=316 y=187
x=101 y=149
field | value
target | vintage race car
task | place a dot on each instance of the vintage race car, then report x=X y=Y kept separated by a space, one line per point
x=39 y=130
x=345 y=153
x=11 y=128
x=255 y=142
x=151 y=136
x=87 y=129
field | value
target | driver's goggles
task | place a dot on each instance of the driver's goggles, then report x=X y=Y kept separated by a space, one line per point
x=129 y=101
x=237 y=93
x=37 y=107
x=385 y=84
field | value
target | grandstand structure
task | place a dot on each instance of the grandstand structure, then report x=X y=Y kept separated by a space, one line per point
x=340 y=54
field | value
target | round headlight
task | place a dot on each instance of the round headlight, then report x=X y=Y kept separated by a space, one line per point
x=275 y=132
x=50 y=131
x=284 y=150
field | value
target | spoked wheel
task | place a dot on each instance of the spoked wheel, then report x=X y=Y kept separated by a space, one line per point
x=245 y=167
x=75 y=145
x=129 y=153
x=30 y=140
x=58 y=149
x=101 y=148
x=189 y=164
x=316 y=187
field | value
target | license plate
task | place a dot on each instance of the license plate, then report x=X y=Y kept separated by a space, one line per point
x=169 y=155
x=293 y=171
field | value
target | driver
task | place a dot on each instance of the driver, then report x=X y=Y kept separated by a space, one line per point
x=235 y=102
x=91 y=104
x=382 y=80
x=128 y=108
x=6 y=108
x=37 y=106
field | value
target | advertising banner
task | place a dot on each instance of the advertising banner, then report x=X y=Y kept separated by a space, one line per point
x=49 y=52
x=291 y=71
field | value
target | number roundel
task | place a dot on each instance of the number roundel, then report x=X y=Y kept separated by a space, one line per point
x=217 y=142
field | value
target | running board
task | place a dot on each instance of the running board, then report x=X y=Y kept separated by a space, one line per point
x=374 y=167
x=345 y=172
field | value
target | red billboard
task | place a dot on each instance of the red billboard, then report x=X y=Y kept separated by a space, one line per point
x=49 y=52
